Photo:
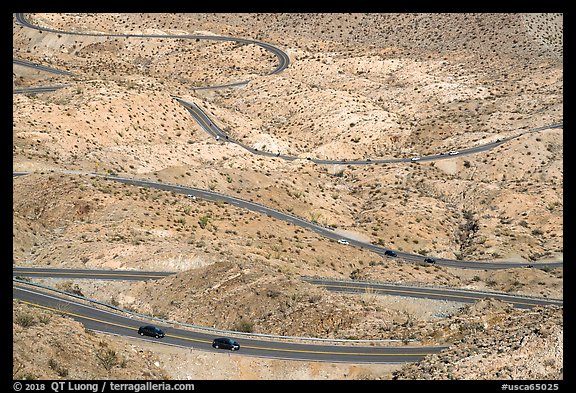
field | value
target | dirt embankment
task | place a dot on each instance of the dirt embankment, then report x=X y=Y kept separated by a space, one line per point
x=358 y=86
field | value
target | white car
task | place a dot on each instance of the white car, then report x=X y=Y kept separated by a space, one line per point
x=415 y=158
x=453 y=152
x=343 y=241
x=191 y=196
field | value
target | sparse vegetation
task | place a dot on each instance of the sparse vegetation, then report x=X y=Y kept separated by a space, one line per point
x=243 y=325
x=203 y=221
x=54 y=365
x=107 y=358
x=25 y=320
x=466 y=80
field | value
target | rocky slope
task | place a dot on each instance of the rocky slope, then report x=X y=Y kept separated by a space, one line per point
x=359 y=85
x=72 y=352
x=492 y=341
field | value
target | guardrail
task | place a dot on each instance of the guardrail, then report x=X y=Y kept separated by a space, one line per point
x=431 y=286
x=205 y=328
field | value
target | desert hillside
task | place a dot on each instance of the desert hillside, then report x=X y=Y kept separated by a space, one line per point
x=491 y=341
x=72 y=352
x=358 y=86
x=75 y=353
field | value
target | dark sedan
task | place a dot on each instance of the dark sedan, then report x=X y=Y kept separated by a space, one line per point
x=225 y=343
x=151 y=331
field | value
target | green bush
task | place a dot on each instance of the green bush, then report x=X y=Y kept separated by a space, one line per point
x=25 y=320
x=107 y=358
x=243 y=326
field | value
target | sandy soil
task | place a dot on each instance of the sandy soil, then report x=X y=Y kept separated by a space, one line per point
x=358 y=86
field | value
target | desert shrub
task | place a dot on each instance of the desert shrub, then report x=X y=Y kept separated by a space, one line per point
x=61 y=371
x=243 y=325
x=107 y=358
x=25 y=320
x=203 y=221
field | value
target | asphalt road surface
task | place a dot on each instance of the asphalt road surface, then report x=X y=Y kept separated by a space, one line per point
x=348 y=286
x=211 y=128
x=325 y=231
x=115 y=323
x=101 y=320
x=321 y=230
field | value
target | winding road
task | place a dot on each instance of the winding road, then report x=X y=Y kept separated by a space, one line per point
x=327 y=232
x=100 y=320
x=97 y=319
x=337 y=285
x=212 y=129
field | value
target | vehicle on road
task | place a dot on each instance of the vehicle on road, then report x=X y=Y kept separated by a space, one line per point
x=191 y=196
x=390 y=253
x=415 y=158
x=151 y=331
x=343 y=241
x=225 y=343
x=430 y=260
x=453 y=152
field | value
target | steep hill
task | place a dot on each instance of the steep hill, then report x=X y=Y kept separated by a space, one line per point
x=358 y=86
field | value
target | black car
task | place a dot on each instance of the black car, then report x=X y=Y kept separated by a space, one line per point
x=151 y=331
x=225 y=343
x=429 y=260
x=390 y=253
